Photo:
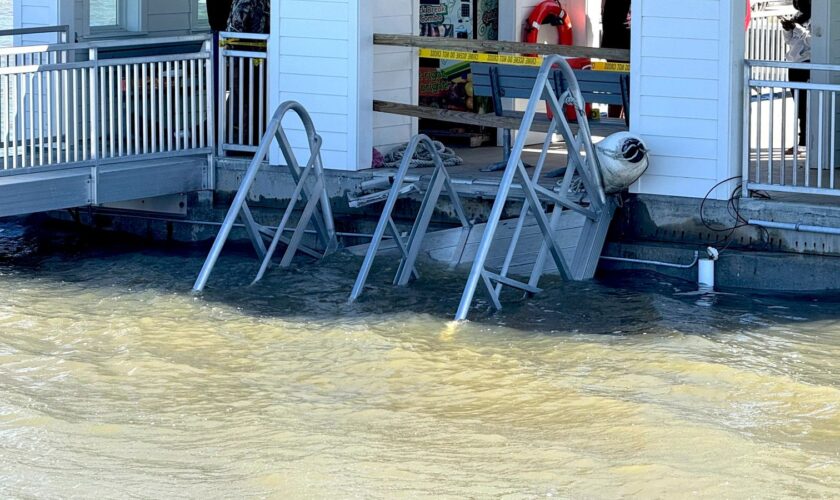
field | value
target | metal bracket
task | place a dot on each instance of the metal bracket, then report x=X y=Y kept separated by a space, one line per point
x=310 y=190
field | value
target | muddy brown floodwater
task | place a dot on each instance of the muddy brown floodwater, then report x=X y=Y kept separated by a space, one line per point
x=117 y=381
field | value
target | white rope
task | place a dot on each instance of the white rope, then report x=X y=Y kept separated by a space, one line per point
x=422 y=157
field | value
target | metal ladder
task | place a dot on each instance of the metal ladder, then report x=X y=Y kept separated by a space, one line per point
x=582 y=161
x=310 y=189
x=410 y=248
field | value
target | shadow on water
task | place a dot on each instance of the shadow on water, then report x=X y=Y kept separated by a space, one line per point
x=621 y=304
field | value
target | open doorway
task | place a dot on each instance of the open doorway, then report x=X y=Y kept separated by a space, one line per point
x=567 y=22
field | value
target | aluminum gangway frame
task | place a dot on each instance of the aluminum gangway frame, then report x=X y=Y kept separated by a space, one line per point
x=310 y=189
x=581 y=213
x=410 y=248
x=583 y=163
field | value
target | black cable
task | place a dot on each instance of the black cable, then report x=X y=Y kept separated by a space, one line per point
x=733 y=209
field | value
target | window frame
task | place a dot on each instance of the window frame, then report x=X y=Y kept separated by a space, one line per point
x=196 y=22
x=131 y=20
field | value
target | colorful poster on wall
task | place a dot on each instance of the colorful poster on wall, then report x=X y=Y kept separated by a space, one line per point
x=487 y=20
x=446 y=84
x=446 y=18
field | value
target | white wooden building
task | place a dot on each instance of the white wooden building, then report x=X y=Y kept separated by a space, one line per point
x=687 y=78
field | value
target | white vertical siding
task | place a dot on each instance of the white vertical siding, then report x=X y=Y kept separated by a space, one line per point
x=35 y=14
x=322 y=56
x=685 y=96
x=168 y=17
x=395 y=73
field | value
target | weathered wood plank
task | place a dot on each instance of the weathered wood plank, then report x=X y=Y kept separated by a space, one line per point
x=602 y=127
x=462 y=117
x=621 y=55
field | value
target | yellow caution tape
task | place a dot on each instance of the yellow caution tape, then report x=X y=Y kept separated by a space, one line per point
x=610 y=66
x=455 y=55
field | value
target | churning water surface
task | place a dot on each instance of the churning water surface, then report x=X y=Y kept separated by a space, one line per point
x=117 y=381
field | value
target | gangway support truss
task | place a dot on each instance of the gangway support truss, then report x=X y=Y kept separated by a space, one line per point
x=583 y=163
x=310 y=191
x=410 y=248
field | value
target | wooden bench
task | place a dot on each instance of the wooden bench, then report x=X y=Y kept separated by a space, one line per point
x=597 y=87
x=500 y=81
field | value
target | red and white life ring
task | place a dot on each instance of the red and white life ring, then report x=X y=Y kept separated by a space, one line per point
x=549 y=12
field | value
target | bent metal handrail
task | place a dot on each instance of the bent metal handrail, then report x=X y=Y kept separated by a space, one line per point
x=310 y=195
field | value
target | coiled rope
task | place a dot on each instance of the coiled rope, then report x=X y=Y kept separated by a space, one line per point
x=422 y=156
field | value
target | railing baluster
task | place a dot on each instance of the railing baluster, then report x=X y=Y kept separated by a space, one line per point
x=241 y=92
x=111 y=120
x=42 y=98
x=130 y=115
x=103 y=113
x=770 y=141
x=56 y=101
x=85 y=114
x=808 y=99
x=202 y=94
x=184 y=130
x=160 y=98
x=14 y=128
x=759 y=135
x=120 y=110
x=140 y=88
x=152 y=108
x=783 y=173
x=144 y=106
x=177 y=111
x=230 y=104
x=193 y=117
x=76 y=115
x=833 y=132
x=66 y=100
x=795 y=166
x=250 y=102
x=4 y=79
x=169 y=118
x=261 y=112
x=31 y=81
x=820 y=137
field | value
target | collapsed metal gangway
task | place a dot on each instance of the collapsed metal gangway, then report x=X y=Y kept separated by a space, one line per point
x=578 y=200
x=310 y=191
x=410 y=248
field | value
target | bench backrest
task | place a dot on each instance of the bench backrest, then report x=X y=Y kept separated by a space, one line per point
x=601 y=87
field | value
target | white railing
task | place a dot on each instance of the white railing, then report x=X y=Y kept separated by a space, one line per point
x=68 y=103
x=772 y=159
x=61 y=32
x=766 y=42
x=243 y=103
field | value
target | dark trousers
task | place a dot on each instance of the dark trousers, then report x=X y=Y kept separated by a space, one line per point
x=802 y=76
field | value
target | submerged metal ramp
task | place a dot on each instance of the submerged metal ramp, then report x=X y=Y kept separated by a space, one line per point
x=583 y=164
x=410 y=248
x=310 y=189
x=567 y=239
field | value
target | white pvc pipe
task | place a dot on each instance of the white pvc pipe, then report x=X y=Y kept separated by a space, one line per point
x=706 y=273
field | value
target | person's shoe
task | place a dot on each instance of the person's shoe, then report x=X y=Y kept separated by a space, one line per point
x=799 y=150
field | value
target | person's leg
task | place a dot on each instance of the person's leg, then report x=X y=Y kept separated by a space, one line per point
x=801 y=76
